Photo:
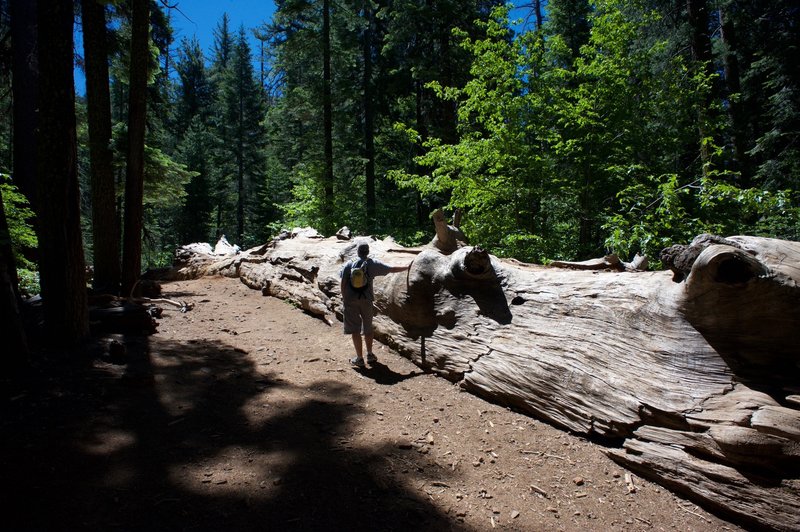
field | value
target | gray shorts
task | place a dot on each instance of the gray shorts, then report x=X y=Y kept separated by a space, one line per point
x=358 y=313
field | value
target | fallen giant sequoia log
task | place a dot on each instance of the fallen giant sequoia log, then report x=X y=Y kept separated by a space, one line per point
x=696 y=374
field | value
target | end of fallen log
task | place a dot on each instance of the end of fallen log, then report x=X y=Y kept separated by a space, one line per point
x=724 y=264
x=731 y=297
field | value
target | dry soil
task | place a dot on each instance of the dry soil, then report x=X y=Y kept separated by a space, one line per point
x=244 y=414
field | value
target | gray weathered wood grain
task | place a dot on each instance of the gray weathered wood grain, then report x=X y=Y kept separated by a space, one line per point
x=699 y=377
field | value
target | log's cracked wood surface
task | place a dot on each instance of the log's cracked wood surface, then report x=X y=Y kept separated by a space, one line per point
x=696 y=371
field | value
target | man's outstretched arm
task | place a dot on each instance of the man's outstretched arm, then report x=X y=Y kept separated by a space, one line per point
x=398 y=269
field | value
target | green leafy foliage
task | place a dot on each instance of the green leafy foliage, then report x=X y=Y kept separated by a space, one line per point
x=652 y=217
x=598 y=132
x=18 y=216
x=753 y=210
x=573 y=147
x=649 y=222
x=23 y=236
x=495 y=173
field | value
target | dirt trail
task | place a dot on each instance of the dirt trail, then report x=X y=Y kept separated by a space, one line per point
x=243 y=414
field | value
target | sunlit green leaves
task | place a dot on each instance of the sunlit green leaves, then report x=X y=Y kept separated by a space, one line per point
x=19 y=217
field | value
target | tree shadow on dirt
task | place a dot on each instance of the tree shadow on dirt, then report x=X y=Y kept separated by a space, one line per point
x=383 y=375
x=190 y=436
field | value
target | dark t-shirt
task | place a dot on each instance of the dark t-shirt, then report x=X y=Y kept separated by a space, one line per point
x=375 y=268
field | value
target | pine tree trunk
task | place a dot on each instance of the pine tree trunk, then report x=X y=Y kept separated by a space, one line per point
x=327 y=119
x=25 y=92
x=369 y=122
x=700 y=43
x=105 y=228
x=61 y=265
x=422 y=130
x=240 y=193
x=736 y=111
x=137 y=110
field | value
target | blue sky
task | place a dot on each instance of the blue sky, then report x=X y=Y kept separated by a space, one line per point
x=200 y=17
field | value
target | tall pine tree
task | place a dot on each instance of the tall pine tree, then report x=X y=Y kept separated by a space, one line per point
x=244 y=112
x=196 y=142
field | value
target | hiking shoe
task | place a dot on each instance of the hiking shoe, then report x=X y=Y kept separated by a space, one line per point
x=357 y=362
x=371 y=358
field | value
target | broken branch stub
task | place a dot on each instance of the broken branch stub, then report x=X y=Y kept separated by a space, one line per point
x=448 y=237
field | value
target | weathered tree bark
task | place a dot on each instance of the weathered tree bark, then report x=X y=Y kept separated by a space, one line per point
x=448 y=237
x=25 y=91
x=105 y=226
x=700 y=45
x=137 y=112
x=369 y=117
x=327 y=118
x=61 y=265
x=735 y=107
x=697 y=377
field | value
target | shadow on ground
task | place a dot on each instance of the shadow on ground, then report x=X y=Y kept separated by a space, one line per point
x=170 y=442
x=383 y=375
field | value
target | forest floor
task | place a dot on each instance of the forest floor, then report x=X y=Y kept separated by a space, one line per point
x=244 y=414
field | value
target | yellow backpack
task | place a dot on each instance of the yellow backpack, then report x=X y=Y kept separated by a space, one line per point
x=359 y=278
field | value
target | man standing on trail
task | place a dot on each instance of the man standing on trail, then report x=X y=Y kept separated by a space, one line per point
x=357 y=298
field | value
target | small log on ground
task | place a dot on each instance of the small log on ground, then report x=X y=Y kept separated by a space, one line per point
x=122 y=317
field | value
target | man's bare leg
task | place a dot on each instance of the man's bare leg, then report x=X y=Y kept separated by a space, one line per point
x=370 y=355
x=368 y=340
x=357 y=344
